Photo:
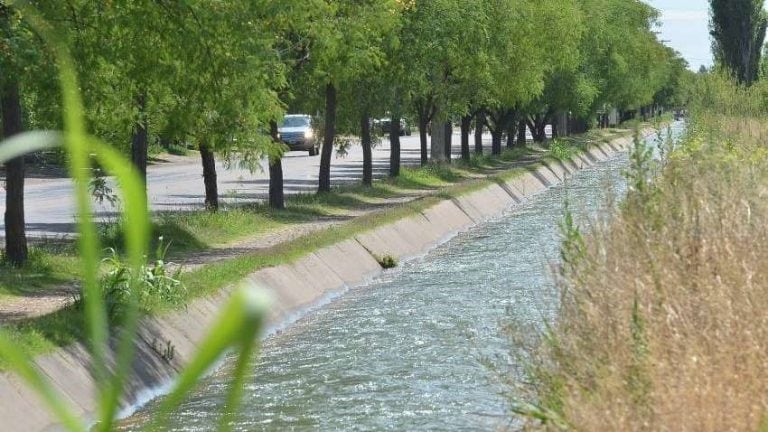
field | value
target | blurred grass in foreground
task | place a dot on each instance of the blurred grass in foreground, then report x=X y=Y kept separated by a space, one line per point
x=237 y=329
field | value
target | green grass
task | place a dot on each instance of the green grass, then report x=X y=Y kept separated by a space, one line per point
x=196 y=231
x=515 y=154
x=428 y=177
x=387 y=261
x=48 y=265
x=177 y=149
x=211 y=228
x=155 y=151
x=212 y=277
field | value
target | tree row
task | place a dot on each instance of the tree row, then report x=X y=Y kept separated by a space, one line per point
x=221 y=75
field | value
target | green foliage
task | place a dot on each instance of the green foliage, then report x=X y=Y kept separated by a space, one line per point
x=243 y=316
x=573 y=247
x=177 y=149
x=640 y=175
x=718 y=93
x=543 y=50
x=738 y=33
x=677 y=88
x=100 y=189
x=48 y=264
x=215 y=74
x=154 y=283
x=184 y=60
x=387 y=261
x=562 y=150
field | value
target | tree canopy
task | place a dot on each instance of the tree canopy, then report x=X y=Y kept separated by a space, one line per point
x=218 y=76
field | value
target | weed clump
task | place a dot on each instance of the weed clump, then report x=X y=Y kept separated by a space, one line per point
x=562 y=150
x=157 y=285
x=387 y=261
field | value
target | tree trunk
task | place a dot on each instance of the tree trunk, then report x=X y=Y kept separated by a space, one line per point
x=496 y=135
x=366 y=141
x=440 y=139
x=140 y=141
x=448 y=141
x=328 y=139
x=466 y=124
x=209 y=177
x=537 y=125
x=423 y=125
x=423 y=142
x=394 y=147
x=499 y=121
x=560 y=124
x=511 y=132
x=578 y=125
x=276 y=189
x=479 y=125
x=522 y=127
x=16 y=249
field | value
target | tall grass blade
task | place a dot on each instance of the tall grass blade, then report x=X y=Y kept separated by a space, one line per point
x=245 y=355
x=28 y=142
x=136 y=228
x=237 y=327
x=78 y=147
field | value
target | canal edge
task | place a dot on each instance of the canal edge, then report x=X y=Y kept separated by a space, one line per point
x=166 y=344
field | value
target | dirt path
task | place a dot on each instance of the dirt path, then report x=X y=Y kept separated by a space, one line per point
x=33 y=305
x=14 y=309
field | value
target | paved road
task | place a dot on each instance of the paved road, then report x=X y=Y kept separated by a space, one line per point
x=178 y=184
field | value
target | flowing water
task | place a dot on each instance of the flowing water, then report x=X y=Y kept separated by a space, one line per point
x=423 y=346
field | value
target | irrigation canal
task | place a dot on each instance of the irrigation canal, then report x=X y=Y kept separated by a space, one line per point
x=423 y=347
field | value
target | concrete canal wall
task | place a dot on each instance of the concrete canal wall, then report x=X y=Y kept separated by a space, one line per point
x=167 y=343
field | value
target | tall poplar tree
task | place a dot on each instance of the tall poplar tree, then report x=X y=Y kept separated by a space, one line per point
x=738 y=32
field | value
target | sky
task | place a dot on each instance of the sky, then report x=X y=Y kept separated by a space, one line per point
x=685 y=27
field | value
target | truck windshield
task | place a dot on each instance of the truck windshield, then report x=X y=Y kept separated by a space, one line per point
x=292 y=122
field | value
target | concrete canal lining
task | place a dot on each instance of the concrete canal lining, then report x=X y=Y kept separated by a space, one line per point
x=166 y=343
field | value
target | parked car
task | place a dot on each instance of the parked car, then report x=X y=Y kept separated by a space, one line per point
x=385 y=123
x=297 y=132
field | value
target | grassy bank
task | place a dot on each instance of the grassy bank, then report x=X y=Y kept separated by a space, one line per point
x=190 y=232
x=49 y=265
x=663 y=322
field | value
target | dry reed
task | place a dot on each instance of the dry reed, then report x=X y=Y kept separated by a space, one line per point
x=664 y=318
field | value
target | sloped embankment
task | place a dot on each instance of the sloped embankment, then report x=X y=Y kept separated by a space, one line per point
x=168 y=342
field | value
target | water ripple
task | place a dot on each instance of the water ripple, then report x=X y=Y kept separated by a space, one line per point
x=411 y=350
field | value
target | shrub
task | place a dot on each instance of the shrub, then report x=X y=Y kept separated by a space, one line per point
x=561 y=150
x=387 y=261
x=155 y=284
